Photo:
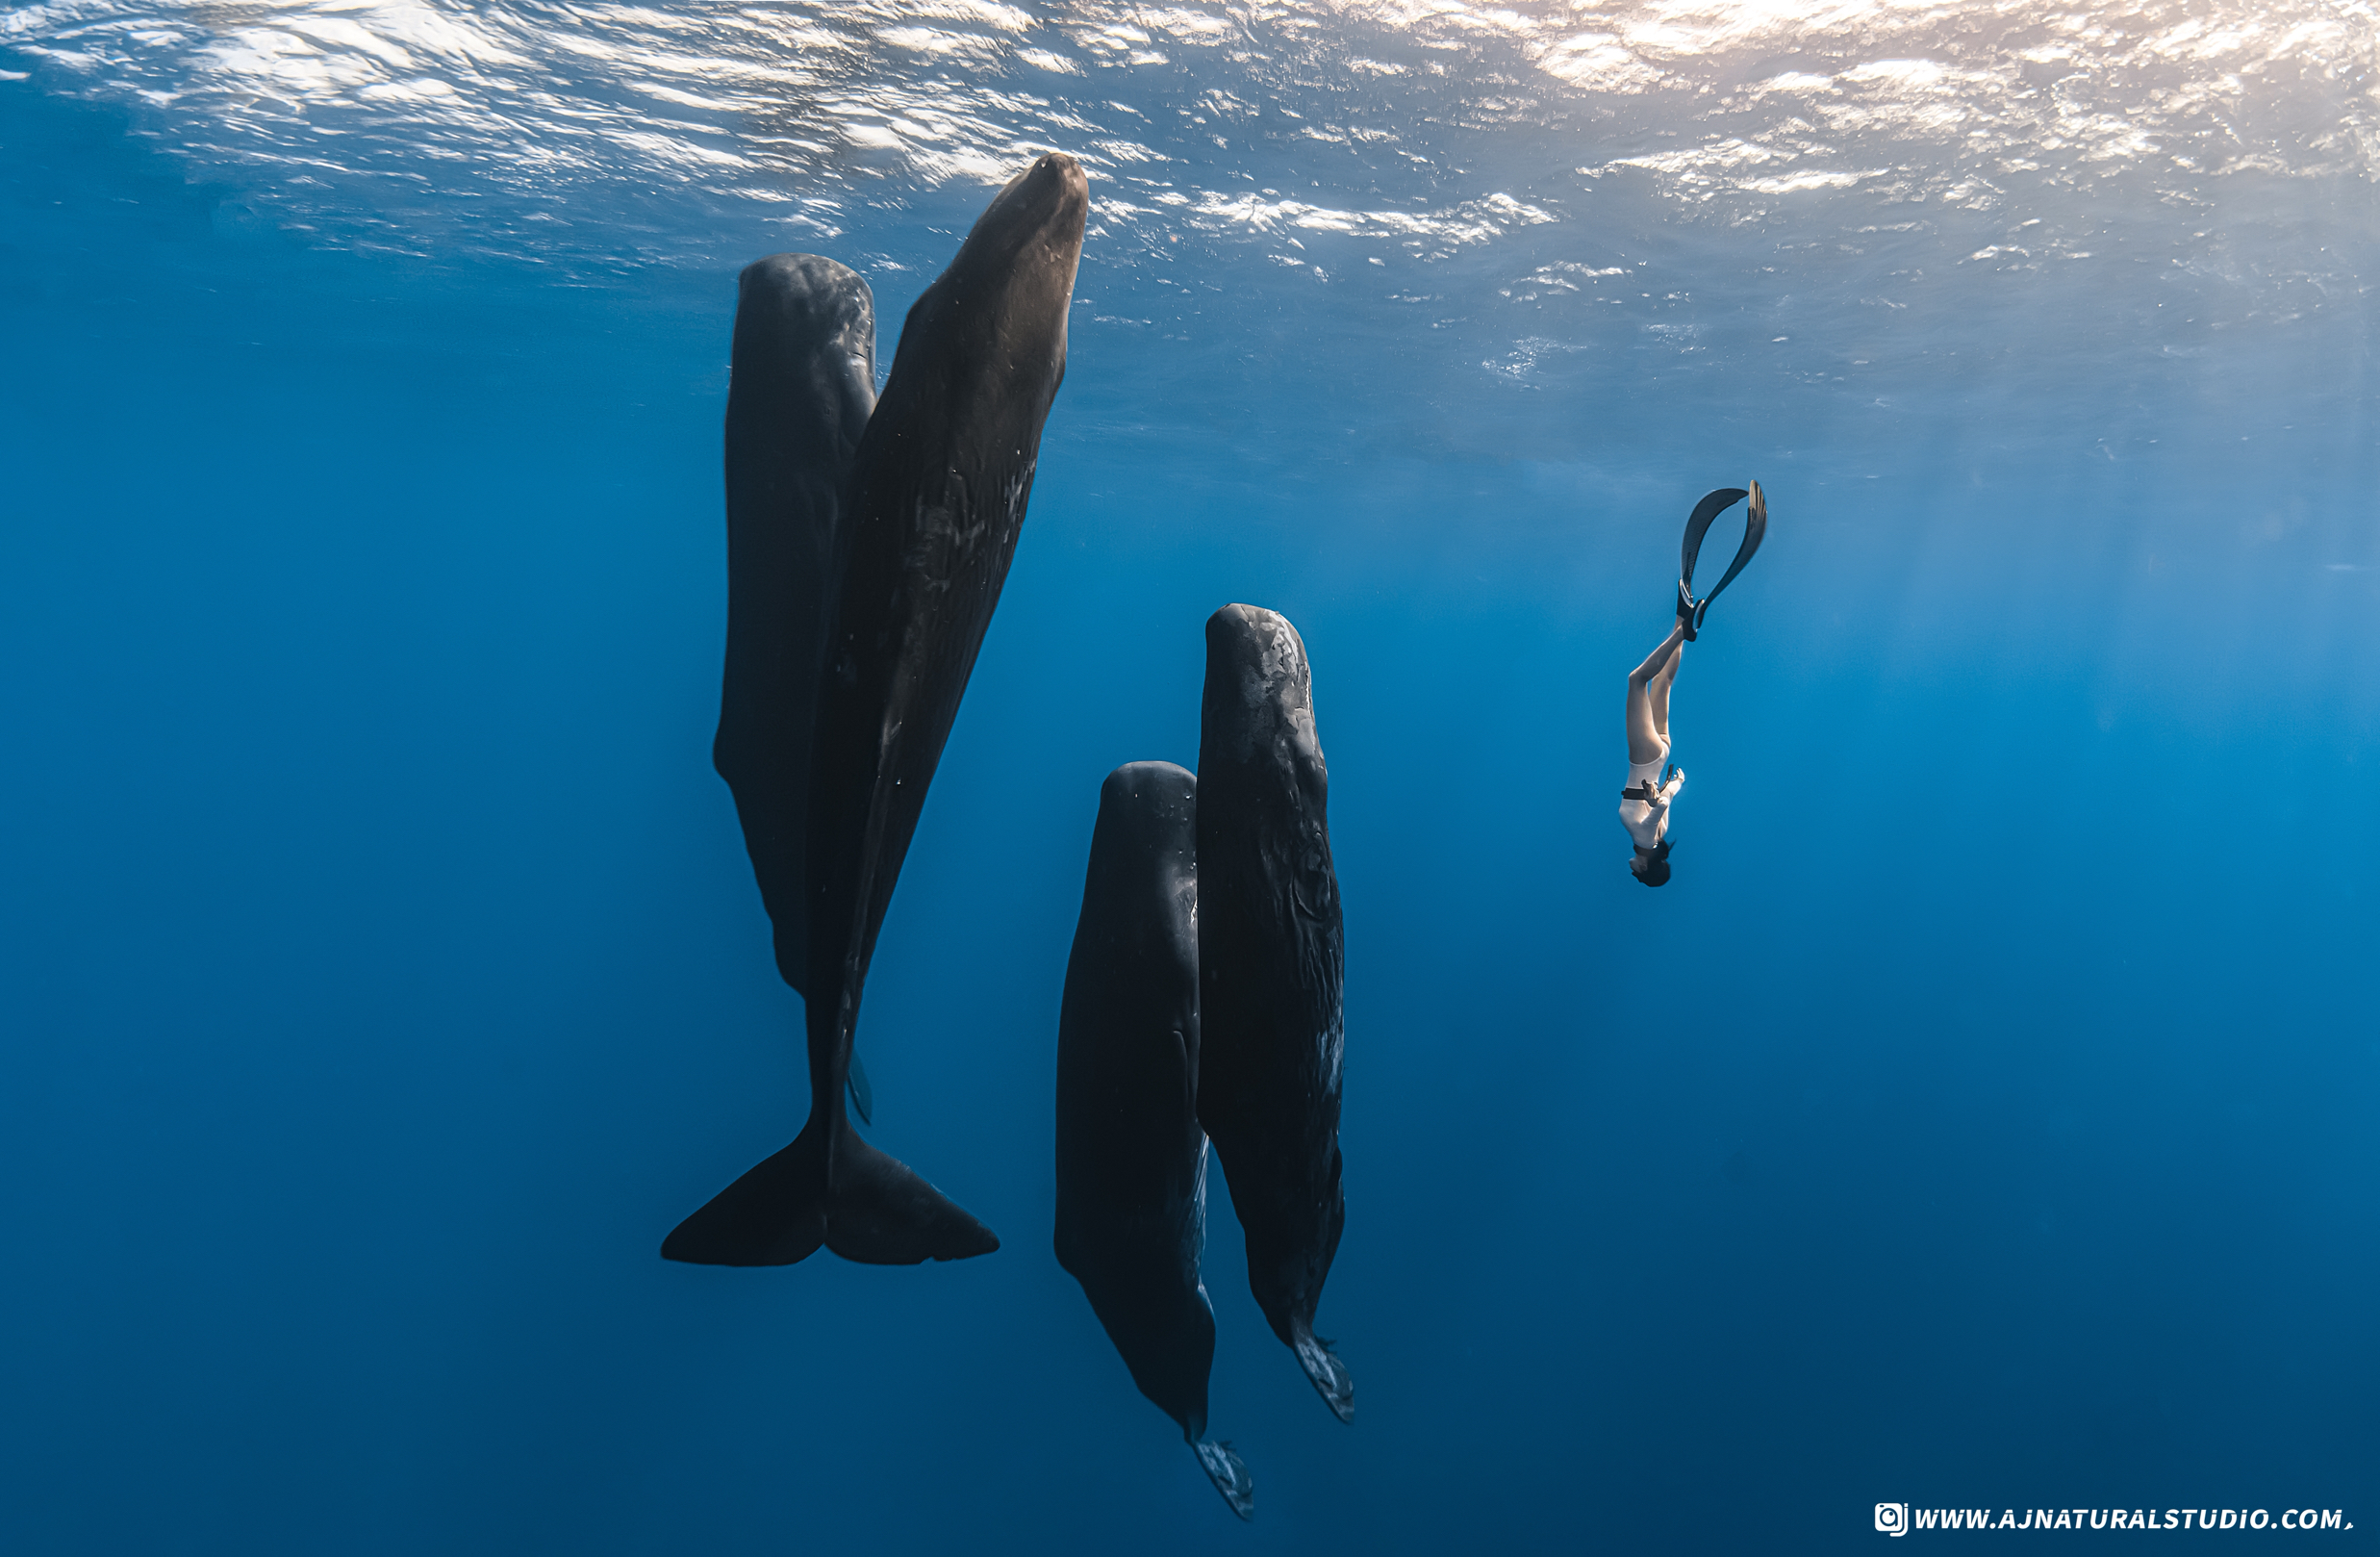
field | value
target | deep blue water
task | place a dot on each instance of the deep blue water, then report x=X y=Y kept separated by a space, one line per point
x=1988 y=1113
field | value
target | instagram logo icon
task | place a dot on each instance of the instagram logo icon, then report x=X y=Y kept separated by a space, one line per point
x=1892 y=1519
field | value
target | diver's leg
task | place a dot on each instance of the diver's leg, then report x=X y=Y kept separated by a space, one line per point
x=1658 y=694
x=1645 y=738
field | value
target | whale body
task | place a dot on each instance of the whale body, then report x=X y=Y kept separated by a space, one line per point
x=1272 y=962
x=801 y=385
x=1131 y=1160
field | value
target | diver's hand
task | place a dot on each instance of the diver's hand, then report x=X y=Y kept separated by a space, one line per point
x=1760 y=504
x=1677 y=781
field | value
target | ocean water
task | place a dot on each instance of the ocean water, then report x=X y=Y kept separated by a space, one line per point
x=1986 y=1115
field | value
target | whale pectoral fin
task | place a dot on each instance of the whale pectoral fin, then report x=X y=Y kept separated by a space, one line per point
x=1230 y=1475
x=863 y=1096
x=774 y=1216
x=1331 y=1380
x=884 y=1215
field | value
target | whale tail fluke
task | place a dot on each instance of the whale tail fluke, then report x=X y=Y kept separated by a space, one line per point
x=1331 y=1380
x=857 y=1201
x=774 y=1216
x=884 y=1215
x=1230 y=1475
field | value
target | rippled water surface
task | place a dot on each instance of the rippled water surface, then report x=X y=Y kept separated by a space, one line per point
x=1901 y=152
x=1987 y=1112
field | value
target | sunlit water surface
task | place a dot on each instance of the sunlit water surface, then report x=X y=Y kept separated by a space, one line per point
x=1988 y=1112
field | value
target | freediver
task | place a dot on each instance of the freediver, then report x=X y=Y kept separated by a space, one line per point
x=1644 y=805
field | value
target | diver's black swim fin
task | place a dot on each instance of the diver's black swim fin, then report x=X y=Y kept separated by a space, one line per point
x=1697 y=526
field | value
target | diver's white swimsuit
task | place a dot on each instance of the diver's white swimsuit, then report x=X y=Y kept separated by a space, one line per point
x=1647 y=821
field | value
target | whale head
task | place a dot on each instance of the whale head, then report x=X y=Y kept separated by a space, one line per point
x=1259 y=704
x=987 y=341
x=1043 y=206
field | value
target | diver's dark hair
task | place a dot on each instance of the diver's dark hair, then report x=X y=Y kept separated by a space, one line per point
x=1651 y=866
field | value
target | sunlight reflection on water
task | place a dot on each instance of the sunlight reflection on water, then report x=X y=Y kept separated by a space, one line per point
x=503 y=125
x=1831 y=202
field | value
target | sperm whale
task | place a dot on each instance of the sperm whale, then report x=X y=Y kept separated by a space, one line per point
x=1272 y=964
x=1131 y=1160
x=926 y=522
